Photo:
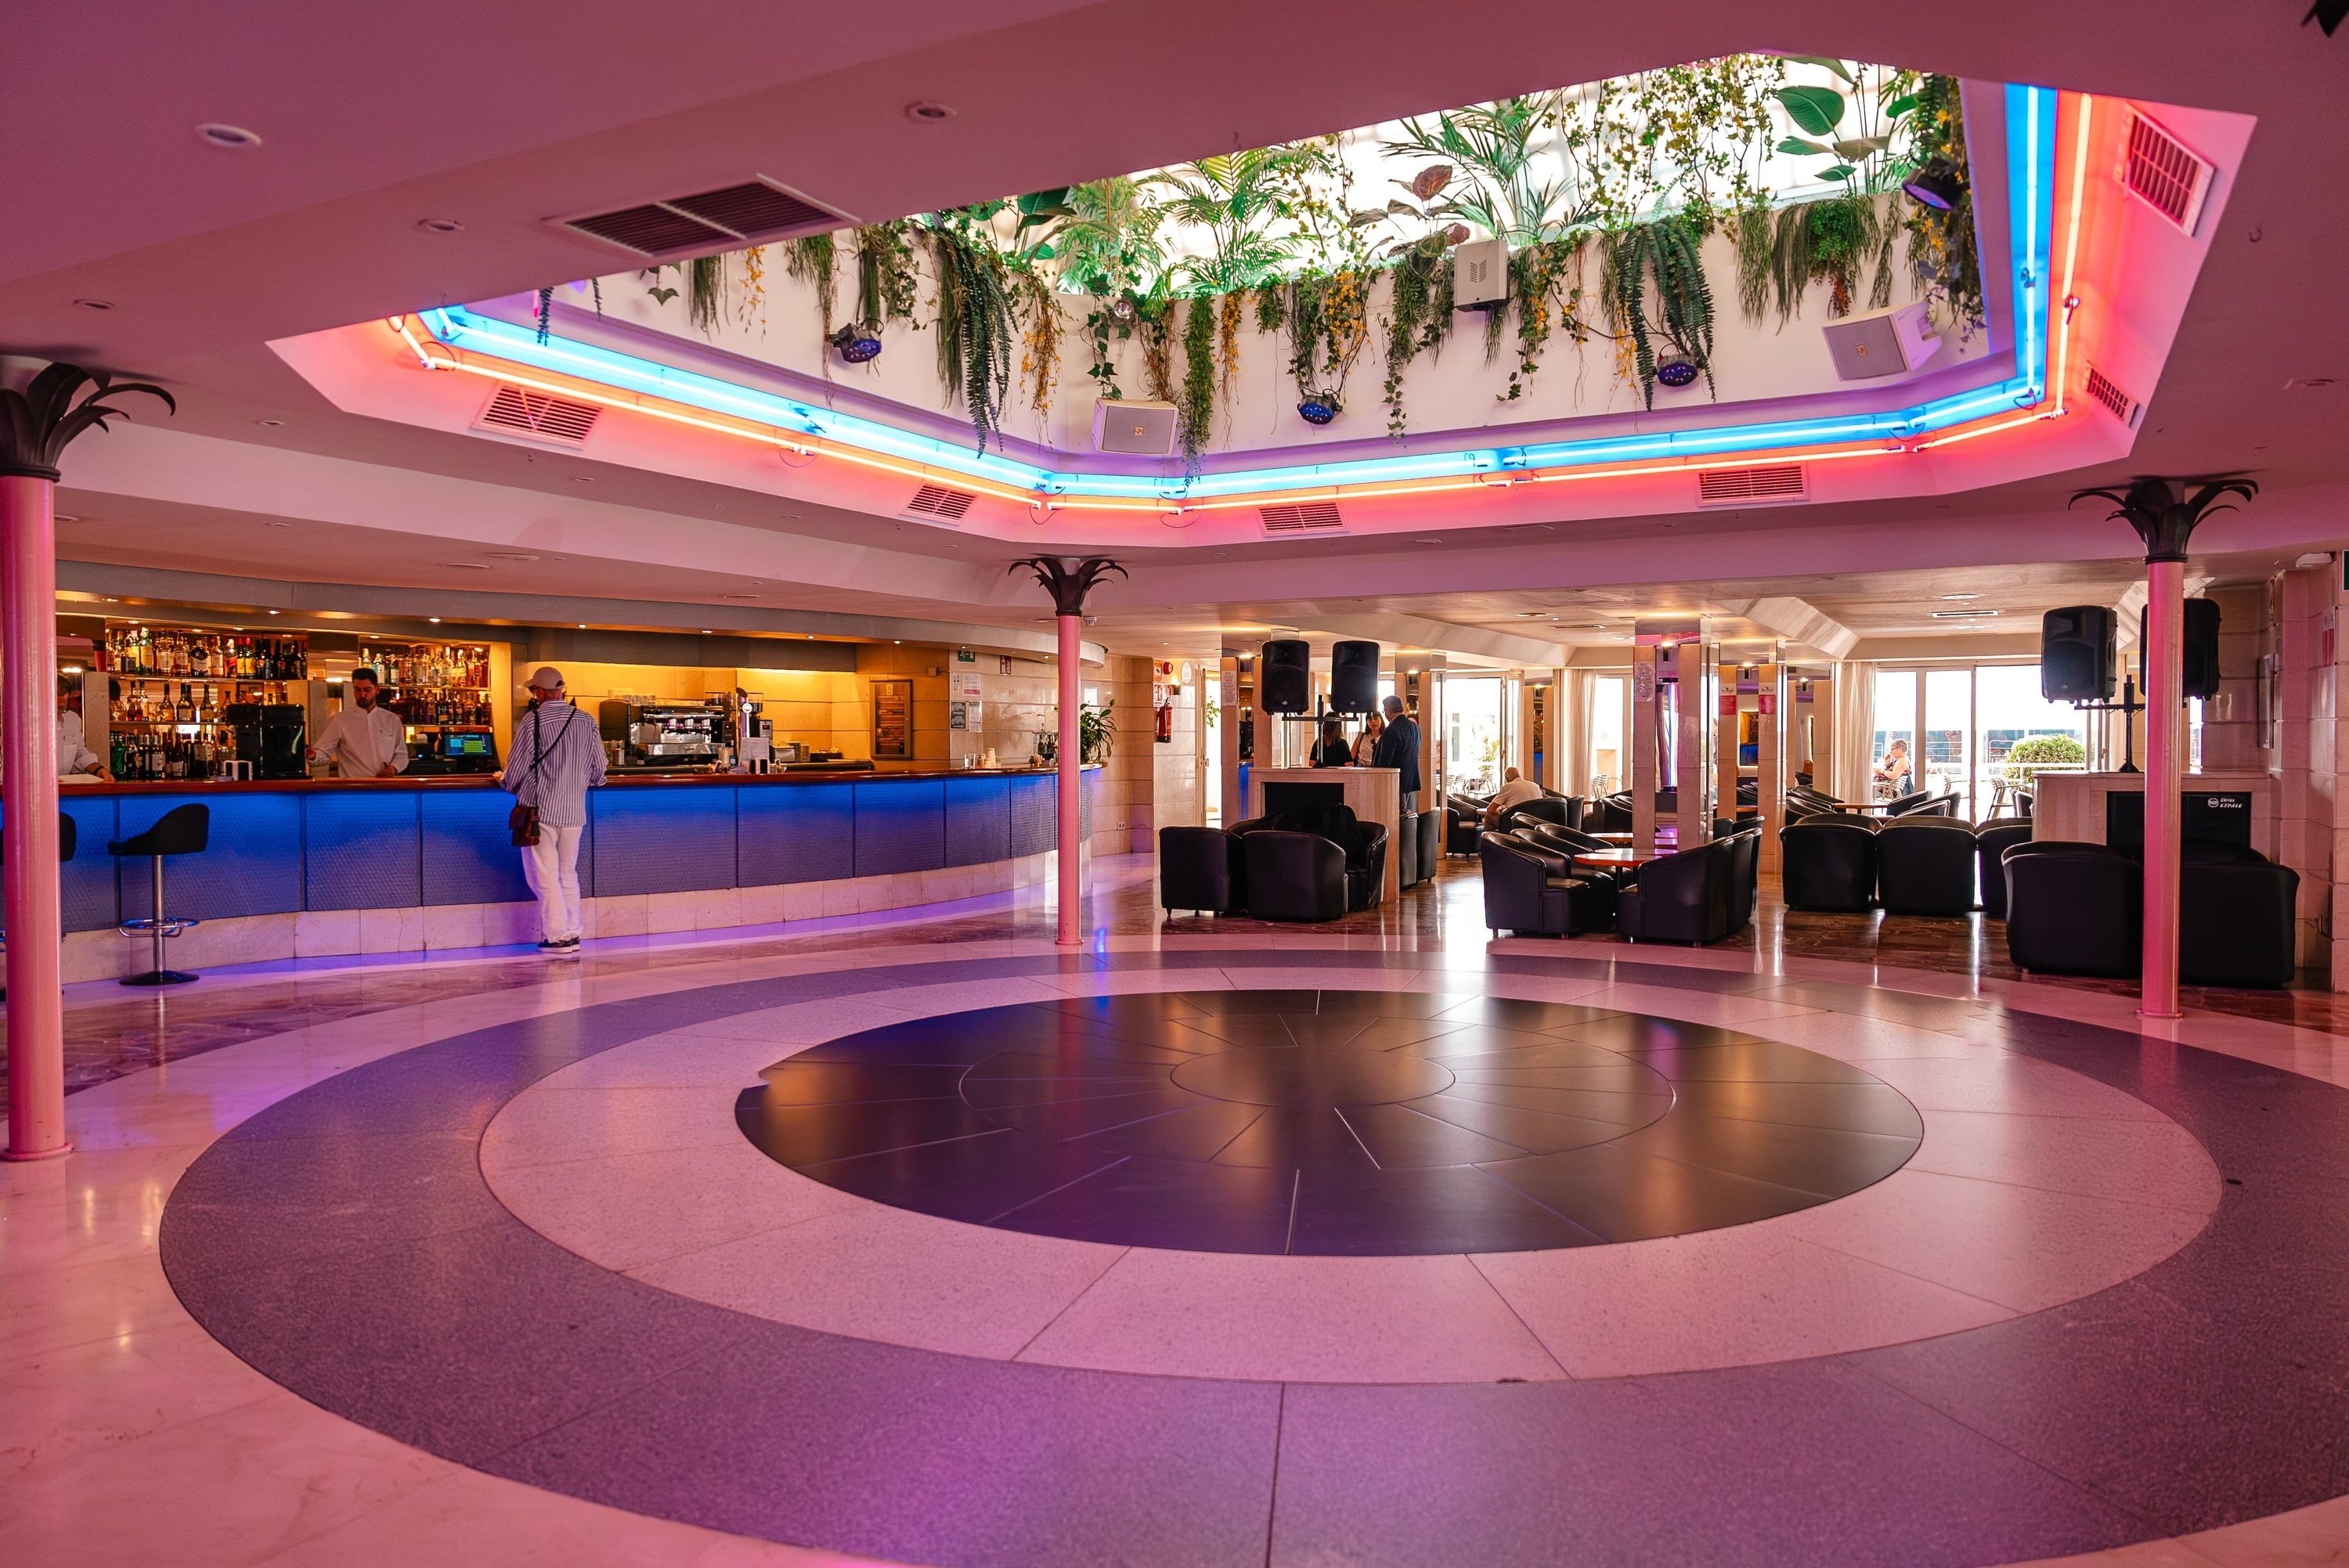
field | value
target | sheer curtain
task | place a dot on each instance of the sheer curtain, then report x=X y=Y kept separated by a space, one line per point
x=1854 y=732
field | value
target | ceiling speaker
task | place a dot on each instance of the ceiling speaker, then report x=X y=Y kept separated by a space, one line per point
x=1882 y=343
x=1140 y=430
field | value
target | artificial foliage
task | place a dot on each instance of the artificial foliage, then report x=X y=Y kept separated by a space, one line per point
x=1606 y=195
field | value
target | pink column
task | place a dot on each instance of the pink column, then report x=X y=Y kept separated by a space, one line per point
x=28 y=795
x=2165 y=751
x=1071 y=780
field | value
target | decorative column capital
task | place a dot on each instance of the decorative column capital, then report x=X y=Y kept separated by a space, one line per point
x=2165 y=512
x=1067 y=580
x=39 y=421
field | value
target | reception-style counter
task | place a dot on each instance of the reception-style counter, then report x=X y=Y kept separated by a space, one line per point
x=403 y=856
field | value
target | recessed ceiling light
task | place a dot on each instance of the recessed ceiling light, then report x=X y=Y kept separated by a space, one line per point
x=708 y=633
x=1961 y=595
x=235 y=137
x=582 y=626
x=512 y=555
x=269 y=424
x=67 y=517
x=1962 y=614
x=94 y=304
x=273 y=523
x=434 y=619
x=923 y=111
x=465 y=565
x=583 y=478
x=440 y=225
x=273 y=611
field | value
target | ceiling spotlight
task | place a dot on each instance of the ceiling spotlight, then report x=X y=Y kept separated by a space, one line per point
x=1939 y=185
x=1962 y=614
x=583 y=478
x=854 y=345
x=234 y=137
x=925 y=112
x=466 y=566
x=269 y=424
x=440 y=225
x=94 y=304
x=68 y=516
x=434 y=619
x=1961 y=595
x=582 y=626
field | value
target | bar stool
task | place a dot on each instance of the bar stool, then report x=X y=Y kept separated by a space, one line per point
x=181 y=831
x=65 y=838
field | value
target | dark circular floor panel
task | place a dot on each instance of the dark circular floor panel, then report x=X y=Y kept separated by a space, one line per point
x=1330 y=1122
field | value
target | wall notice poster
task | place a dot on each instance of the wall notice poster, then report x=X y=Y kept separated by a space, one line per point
x=967 y=686
x=893 y=721
x=957 y=716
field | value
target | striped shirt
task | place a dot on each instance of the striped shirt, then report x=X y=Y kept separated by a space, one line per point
x=568 y=749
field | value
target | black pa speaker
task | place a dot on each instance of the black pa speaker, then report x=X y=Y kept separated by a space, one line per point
x=2199 y=657
x=1354 y=677
x=2075 y=654
x=1283 y=683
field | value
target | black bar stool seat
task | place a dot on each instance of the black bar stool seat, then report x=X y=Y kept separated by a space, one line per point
x=67 y=834
x=181 y=831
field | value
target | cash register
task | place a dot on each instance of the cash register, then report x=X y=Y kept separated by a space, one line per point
x=454 y=752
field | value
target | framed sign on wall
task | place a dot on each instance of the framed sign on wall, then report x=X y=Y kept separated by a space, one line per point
x=893 y=721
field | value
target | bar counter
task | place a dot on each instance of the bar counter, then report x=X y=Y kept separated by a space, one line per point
x=292 y=846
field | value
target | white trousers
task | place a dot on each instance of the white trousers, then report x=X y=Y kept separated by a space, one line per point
x=552 y=867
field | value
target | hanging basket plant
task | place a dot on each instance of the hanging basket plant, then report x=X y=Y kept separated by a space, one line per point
x=1658 y=304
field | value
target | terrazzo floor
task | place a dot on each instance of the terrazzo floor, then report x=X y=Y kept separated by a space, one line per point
x=473 y=1261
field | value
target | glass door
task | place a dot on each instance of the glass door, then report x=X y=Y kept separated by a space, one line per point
x=1945 y=738
x=1893 y=750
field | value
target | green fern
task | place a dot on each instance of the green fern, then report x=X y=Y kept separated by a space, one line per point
x=1654 y=290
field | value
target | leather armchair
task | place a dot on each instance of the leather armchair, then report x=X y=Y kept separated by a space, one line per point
x=1405 y=845
x=1922 y=806
x=1900 y=804
x=1295 y=876
x=1365 y=848
x=1530 y=892
x=1463 y=821
x=1550 y=808
x=1680 y=897
x=1925 y=865
x=1745 y=874
x=1991 y=840
x=1431 y=844
x=1608 y=814
x=2235 y=924
x=2072 y=908
x=1201 y=869
x=1828 y=862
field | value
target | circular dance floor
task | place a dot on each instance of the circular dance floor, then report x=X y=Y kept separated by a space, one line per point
x=1936 y=1281
x=1328 y=1123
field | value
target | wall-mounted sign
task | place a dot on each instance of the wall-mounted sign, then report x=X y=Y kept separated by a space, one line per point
x=960 y=717
x=893 y=721
x=965 y=656
x=1003 y=663
x=967 y=686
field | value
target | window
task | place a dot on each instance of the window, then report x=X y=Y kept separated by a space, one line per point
x=1607 y=768
x=1472 y=733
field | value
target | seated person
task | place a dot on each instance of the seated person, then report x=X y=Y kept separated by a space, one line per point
x=1515 y=791
x=1892 y=774
x=1332 y=751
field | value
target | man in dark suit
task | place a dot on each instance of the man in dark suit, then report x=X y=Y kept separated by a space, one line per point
x=1399 y=749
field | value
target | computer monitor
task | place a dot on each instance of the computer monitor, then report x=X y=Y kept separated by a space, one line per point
x=458 y=743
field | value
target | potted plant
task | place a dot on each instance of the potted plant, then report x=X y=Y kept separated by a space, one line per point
x=1096 y=732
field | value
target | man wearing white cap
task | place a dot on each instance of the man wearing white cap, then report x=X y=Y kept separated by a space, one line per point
x=558 y=756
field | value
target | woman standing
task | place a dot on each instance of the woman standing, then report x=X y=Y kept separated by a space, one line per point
x=1366 y=745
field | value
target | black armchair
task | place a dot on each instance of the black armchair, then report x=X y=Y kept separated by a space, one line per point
x=1365 y=848
x=1295 y=876
x=2072 y=908
x=1925 y=865
x=2235 y=921
x=1922 y=805
x=1991 y=840
x=1530 y=892
x=1744 y=875
x=1201 y=869
x=1463 y=821
x=1828 y=862
x=1431 y=844
x=1680 y=897
x=1608 y=814
x=1405 y=846
x=1550 y=808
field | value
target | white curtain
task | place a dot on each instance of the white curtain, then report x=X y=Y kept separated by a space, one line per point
x=1853 y=766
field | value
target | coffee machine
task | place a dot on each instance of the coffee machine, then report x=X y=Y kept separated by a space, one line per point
x=655 y=735
x=269 y=736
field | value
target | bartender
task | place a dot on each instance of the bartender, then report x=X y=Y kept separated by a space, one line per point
x=74 y=758
x=363 y=741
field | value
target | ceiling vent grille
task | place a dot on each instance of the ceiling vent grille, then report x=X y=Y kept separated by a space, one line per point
x=2159 y=170
x=754 y=212
x=1302 y=517
x=539 y=416
x=939 y=502
x=1776 y=485
x=2120 y=404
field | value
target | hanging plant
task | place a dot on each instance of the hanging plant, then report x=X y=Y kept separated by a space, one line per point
x=812 y=259
x=1037 y=304
x=1942 y=251
x=704 y=293
x=1229 y=309
x=888 y=283
x=1419 y=316
x=1830 y=241
x=1537 y=288
x=752 y=308
x=1345 y=325
x=1271 y=307
x=1656 y=270
x=545 y=314
x=975 y=326
x=1195 y=407
x=1750 y=235
x=1154 y=323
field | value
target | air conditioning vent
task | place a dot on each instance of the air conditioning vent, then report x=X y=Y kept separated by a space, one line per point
x=937 y=501
x=2163 y=173
x=1302 y=517
x=2120 y=404
x=538 y=416
x=751 y=213
x=1775 y=486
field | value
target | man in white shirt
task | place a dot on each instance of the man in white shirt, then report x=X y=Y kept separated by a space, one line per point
x=363 y=741
x=1515 y=791
x=557 y=757
x=74 y=756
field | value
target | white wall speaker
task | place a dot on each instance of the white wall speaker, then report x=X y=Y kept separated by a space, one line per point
x=1882 y=343
x=1139 y=428
x=1480 y=274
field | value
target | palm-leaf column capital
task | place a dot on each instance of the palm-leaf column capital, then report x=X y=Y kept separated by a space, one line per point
x=38 y=423
x=2165 y=511
x=1067 y=580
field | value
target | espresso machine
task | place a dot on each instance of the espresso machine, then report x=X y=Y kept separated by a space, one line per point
x=653 y=736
